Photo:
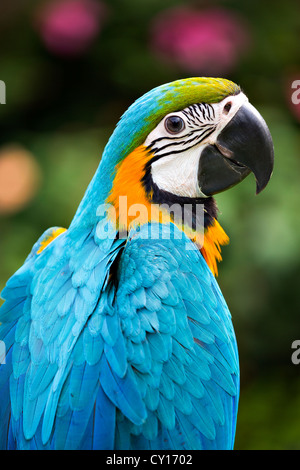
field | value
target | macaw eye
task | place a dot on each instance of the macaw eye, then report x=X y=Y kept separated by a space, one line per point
x=174 y=124
x=227 y=108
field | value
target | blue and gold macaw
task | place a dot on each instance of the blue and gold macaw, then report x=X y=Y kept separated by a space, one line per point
x=116 y=333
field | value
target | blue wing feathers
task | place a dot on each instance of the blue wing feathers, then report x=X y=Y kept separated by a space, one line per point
x=116 y=356
x=144 y=358
x=123 y=393
x=104 y=422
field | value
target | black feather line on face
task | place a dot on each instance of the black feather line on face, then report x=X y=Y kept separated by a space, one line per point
x=173 y=137
x=199 y=138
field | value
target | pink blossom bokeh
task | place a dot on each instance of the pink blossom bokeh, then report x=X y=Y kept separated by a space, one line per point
x=68 y=27
x=209 y=41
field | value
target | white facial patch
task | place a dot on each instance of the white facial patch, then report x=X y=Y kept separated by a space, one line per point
x=177 y=173
x=176 y=168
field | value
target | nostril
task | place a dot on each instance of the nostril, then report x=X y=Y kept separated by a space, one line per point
x=227 y=107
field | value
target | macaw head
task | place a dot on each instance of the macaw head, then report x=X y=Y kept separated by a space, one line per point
x=208 y=147
x=184 y=142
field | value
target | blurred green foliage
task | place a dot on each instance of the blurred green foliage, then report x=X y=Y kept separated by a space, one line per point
x=63 y=110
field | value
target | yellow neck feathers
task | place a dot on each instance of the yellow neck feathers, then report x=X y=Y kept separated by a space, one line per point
x=128 y=190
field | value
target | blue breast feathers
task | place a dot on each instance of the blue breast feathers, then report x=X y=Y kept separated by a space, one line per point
x=117 y=344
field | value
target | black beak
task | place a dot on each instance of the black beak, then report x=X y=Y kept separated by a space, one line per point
x=244 y=145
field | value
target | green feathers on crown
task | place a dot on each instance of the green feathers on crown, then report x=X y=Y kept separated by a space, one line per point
x=182 y=93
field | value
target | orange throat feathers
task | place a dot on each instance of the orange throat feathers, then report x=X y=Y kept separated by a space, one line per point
x=129 y=191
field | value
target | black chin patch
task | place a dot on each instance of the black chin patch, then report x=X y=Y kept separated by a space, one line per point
x=160 y=196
